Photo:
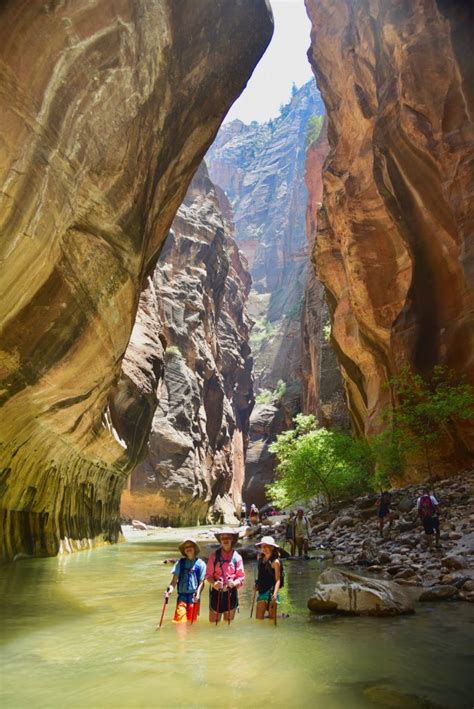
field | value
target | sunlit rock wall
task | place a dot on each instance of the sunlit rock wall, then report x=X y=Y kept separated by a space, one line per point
x=192 y=328
x=106 y=112
x=395 y=234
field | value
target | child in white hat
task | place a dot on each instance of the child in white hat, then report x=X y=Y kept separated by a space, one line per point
x=269 y=578
x=189 y=574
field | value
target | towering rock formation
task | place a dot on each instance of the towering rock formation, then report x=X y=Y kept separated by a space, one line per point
x=395 y=235
x=197 y=365
x=107 y=110
x=261 y=170
x=323 y=392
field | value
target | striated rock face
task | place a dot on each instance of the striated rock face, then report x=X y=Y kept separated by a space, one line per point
x=395 y=247
x=323 y=390
x=189 y=350
x=261 y=169
x=107 y=110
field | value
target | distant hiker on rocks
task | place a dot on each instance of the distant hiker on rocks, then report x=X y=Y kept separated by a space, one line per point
x=269 y=578
x=254 y=515
x=289 y=533
x=243 y=513
x=225 y=574
x=383 y=503
x=301 y=532
x=189 y=574
x=427 y=506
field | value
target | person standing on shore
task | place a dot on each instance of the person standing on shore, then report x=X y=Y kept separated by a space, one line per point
x=427 y=506
x=301 y=532
x=225 y=575
x=383 y=503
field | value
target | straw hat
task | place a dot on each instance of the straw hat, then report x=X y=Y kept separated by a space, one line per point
x=189 y=540
x=268 y=541
x=231 y=532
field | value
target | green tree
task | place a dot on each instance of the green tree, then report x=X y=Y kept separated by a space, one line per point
x=313 y=129
x=424 y=416
x=318 y=462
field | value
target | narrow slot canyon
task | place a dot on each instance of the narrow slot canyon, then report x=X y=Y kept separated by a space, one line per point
x=237 y=271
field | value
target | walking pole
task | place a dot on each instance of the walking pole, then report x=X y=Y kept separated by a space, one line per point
x=253 y=600
x=276 y=609
x=228 y=607
x=218 y=603
x=163 y=612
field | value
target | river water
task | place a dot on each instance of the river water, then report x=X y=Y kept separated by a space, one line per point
x=79 y=631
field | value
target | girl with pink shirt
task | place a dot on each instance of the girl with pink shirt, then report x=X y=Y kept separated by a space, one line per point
x=225 y=574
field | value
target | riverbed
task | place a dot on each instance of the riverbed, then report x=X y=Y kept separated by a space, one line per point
x=79 y=631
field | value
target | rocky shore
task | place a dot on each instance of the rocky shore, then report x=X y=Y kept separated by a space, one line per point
x=349 y=535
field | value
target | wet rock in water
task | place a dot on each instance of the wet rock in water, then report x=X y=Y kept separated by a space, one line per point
x=439 y=593
x=357 y=595
x=453 y=562
x=136 y=524
x=466 y=596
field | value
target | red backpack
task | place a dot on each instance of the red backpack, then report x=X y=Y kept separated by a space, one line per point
x=426 y=507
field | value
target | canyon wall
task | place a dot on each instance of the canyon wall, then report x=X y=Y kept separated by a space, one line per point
x=106 y=112
x=394 y=248
x=189 y=350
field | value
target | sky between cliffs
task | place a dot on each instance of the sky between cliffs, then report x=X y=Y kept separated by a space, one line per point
x=283 y=63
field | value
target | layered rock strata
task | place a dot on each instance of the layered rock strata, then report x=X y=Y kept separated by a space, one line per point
x=395 y=234
x=107 y=110
x=189 y=349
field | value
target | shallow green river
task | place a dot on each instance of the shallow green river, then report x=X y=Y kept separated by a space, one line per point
x=79 y=631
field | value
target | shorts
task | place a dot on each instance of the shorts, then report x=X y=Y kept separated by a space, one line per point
x=223 y=599
x=185 y=611
x=267 y=596
x=383 y=513
x=430 y=525
x=299 y=541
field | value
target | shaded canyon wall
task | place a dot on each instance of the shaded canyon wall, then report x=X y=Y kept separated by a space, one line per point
x=395 y=236
x=107 y=110
x=189 y=350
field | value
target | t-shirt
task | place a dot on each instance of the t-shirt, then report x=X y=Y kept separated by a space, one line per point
x=229 y=567
x=190 y=574
x=434 y=502
x=301 y=527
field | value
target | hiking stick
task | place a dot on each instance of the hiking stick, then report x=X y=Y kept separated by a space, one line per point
x=228 y=607
x=163 y=612
x=253 y=600
x=218 y=603
x=276 y=610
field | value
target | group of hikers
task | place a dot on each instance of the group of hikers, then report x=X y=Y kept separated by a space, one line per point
x=224 y=574
x=224 y=571
x=427 y=507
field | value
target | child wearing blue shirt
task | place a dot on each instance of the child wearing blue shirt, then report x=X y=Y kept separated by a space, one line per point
x=189 y=574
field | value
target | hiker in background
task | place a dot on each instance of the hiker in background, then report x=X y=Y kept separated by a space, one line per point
x=383 y=504
x=289 y=533
x=301 y=532
x=269 y=578
x=427 y=506
x=225 y=574
x=254 y=515
x=243 y=513
x=189 y=574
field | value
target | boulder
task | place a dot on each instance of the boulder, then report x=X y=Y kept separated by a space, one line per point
x=439 y=593
x=349 y=593
x=453 y=562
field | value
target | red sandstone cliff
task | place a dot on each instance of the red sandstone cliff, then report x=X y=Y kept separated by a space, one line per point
x=198 y=368
x=107 y=110
x=395 y=232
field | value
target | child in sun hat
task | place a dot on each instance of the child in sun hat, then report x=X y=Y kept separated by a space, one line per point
x=189 y=574
x=225 y=574
x=269 y=578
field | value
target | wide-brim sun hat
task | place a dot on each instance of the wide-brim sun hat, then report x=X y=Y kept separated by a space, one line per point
x=189 y=540
x=268 y=541
x=231 y=532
